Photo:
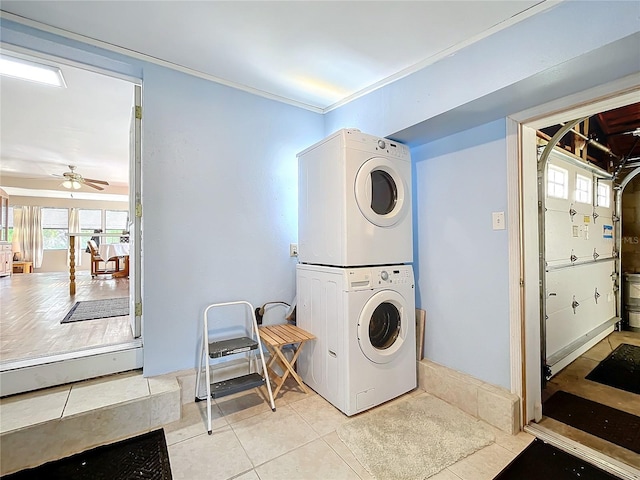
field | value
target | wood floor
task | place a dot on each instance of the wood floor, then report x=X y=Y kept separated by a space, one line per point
x=32 y=306
x=572 y=379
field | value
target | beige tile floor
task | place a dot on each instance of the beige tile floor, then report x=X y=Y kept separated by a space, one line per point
x=298 y=441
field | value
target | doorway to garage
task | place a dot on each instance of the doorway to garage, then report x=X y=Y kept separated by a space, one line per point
x=568 y=252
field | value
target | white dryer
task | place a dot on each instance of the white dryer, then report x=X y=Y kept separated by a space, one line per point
x=354 y=201
x=363 y=318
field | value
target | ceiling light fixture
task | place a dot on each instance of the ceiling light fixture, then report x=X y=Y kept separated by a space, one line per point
x=71 y=184
x=31 y=71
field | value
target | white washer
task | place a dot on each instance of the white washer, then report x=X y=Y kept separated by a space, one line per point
x=354 y=201
x=363 y=318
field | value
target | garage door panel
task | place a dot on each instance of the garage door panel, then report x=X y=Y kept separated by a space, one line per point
x=580 y=281
x=565 y=326
x=558 y=302
x=564 y=238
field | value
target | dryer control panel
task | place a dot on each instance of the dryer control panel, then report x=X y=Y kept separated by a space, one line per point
x=389 y=148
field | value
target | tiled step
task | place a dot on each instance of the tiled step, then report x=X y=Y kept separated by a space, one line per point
x=49 y=424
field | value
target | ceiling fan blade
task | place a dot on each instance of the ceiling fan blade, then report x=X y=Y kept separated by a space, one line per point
x=101 y=182
x=88 y=184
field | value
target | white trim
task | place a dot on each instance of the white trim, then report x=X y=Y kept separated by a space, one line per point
x=65 y=61
x=534 y=10
x=538 y=8
x=513 y=229
x=88 y=365
x=618 y=93
x=601 y=98
x=531 y=275
x=608 y=464
x=163 y=63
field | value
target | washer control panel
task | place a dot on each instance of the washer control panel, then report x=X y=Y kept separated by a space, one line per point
x=393 y=275
x=369 y=278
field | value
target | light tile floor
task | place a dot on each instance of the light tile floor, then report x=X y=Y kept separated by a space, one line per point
x=298 y=441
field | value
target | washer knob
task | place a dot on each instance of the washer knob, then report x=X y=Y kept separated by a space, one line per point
x=384 y=275
x=382 y=145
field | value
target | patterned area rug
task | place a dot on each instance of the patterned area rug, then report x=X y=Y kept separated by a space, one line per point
x=143 y=457
x=426 y=432
x=93 y=309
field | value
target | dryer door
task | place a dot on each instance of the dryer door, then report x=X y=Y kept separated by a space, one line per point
x=380 y=192
x=382 y=326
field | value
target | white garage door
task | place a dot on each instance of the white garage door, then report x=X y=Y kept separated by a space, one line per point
x=580 y=259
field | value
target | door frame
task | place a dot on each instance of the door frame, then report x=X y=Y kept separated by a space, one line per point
x=524 y=247
x=47 y=371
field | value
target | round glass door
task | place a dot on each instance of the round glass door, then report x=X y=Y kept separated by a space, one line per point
x=382 y=326
x=380 y=192
x=384 y=193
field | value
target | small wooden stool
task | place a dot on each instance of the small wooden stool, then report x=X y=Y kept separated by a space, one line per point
x=275 y=337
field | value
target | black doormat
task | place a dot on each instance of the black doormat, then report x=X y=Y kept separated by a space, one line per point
x=94 y=309
x=543 y=461
x=621 y=369
x=142 y=457
x=608 y=423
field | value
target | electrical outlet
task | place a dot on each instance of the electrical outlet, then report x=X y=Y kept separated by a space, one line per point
x=293 y=249
x=498 y=220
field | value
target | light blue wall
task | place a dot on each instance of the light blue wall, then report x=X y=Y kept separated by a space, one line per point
x=219 y=190
x=565 y=49
x=220 y=205
x=461 y=265
x=452 y=114
x=222 y=163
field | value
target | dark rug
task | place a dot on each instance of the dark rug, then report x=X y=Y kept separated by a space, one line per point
x=543 y=461
x=141 y=457
x=608 y=423
x=621 y=369
x=93 y=309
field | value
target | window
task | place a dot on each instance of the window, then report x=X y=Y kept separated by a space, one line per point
x=90 y=220
x=115 y=222
x=55 y=226
x=604 y=195
x=583 y=189
x=557 y=182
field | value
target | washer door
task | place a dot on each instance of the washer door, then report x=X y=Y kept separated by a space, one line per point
x=380 y=192
x=382 y=326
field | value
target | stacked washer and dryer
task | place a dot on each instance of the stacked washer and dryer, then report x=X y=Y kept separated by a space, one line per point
x=355 y=292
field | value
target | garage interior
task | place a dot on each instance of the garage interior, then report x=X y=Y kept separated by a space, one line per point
x=610 y=142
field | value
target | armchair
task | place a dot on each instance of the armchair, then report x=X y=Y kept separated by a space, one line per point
x=96 y=259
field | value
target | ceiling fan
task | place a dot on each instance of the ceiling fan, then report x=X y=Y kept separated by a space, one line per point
x=75 y=180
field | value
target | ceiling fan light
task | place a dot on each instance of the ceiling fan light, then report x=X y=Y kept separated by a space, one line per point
x=75 y=185
x=67 y=184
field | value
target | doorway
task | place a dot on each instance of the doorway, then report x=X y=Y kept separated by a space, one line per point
x=93 y=124
x=533 y=307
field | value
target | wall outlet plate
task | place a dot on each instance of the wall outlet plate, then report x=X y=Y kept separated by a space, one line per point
x=293 y=249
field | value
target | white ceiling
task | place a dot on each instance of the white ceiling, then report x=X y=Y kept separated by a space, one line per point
x=315 y=54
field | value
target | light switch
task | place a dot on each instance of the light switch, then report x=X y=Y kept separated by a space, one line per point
x=498 y=220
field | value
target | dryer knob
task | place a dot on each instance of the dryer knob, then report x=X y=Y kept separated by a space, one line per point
x=382 y=145
x=384 y=275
